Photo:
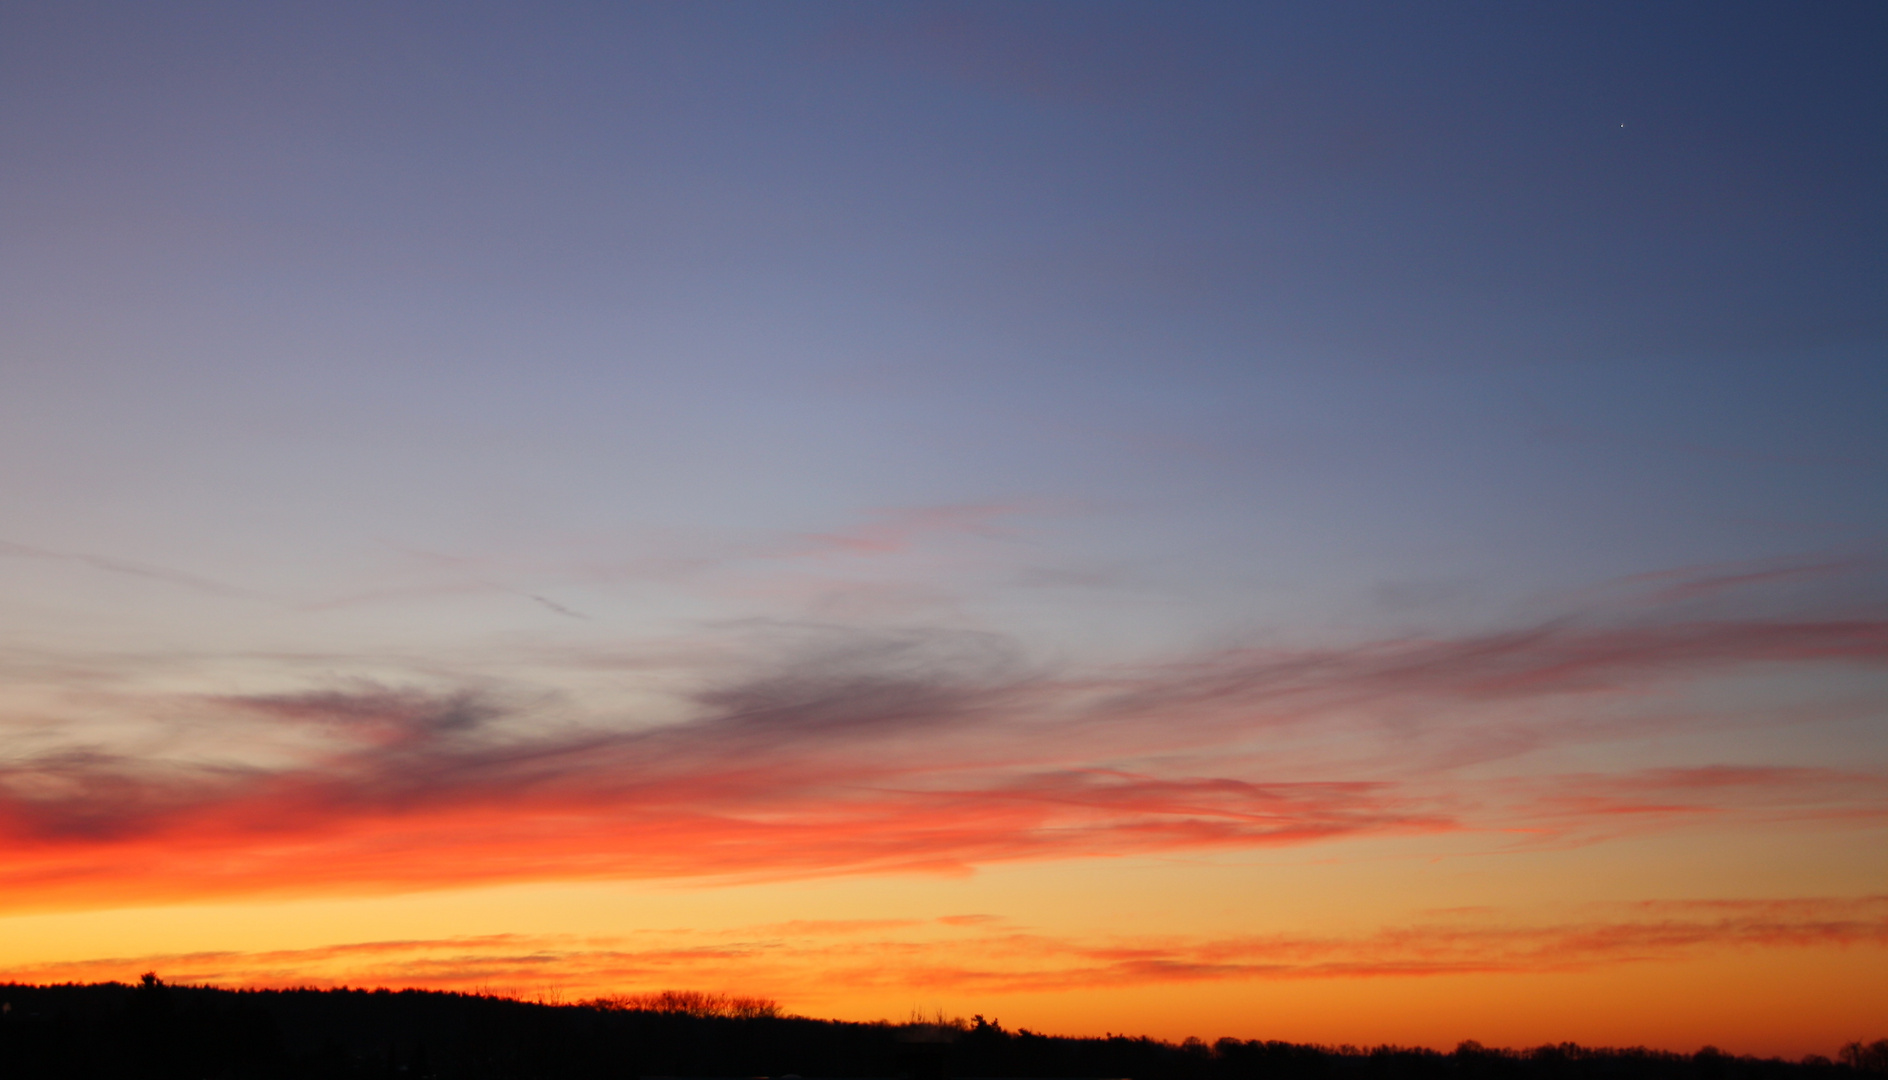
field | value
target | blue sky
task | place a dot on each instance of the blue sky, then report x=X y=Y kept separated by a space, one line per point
x=1595 y=289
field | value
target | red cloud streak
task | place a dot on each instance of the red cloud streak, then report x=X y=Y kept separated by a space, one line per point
x=850 y=768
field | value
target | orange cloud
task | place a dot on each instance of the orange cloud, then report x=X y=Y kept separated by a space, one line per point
x=804 y=962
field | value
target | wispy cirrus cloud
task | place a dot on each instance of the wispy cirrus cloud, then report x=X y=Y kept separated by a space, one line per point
x=126 y=568
x=804 y=962
x=897 y=531
x=905 y=752
x=1789 y=793
x=850 y=556
x=1711 y=582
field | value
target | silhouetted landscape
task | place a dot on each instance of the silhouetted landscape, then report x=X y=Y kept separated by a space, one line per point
x=203 y=1033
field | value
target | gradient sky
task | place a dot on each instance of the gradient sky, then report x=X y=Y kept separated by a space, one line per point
x=1340 y=522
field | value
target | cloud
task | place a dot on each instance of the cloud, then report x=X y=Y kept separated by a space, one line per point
x=1683 y=584
x=1776 y=792
x=897 y=531
x=559 y=608
x=1541 y=661
x=387 y=716
x=804 y=962
x=167 y=576
x=898 y=752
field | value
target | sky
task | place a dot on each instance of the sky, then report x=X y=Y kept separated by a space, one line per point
x=1354 y=522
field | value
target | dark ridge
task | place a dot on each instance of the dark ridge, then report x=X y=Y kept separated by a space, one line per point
x=200 y=1033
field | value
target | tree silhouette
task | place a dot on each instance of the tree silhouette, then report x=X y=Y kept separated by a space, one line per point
x=1869 y=1058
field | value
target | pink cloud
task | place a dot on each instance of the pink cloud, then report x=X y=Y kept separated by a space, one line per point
x=1776 y=793
x=893 y=532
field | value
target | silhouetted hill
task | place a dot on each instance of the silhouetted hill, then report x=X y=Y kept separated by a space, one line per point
x=196 y=1033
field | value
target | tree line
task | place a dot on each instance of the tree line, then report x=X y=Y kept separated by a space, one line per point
x=153 y=1031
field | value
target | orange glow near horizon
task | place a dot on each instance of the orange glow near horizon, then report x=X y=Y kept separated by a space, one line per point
x=1226 y=845
x=1298 y=946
